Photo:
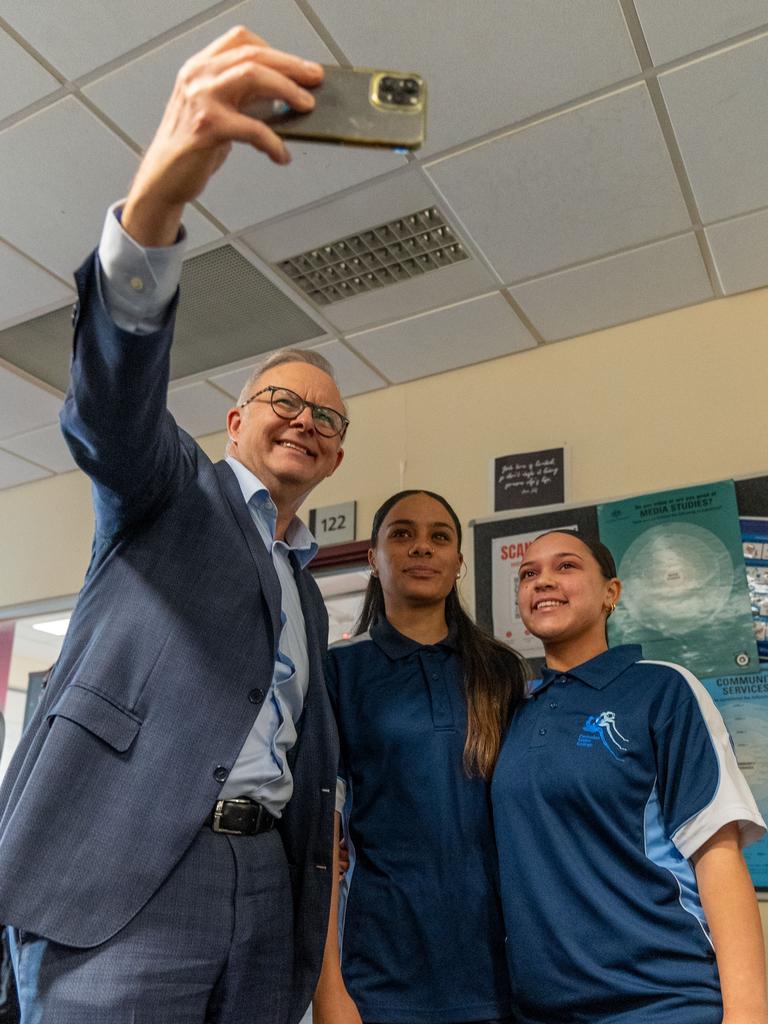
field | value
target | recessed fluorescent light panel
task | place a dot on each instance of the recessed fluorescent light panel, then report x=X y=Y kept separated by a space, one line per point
x=56 y=627
x=392 y=252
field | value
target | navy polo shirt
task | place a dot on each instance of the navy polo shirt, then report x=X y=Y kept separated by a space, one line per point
x=422 y=934
x=611 y=776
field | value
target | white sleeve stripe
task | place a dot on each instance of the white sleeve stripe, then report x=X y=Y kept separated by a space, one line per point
x=732 y=799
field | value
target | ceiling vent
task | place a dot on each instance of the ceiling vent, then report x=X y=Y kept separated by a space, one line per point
x=229 y=311
x=397 y=251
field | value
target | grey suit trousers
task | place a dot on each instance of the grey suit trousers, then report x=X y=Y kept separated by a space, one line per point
x=210 y=947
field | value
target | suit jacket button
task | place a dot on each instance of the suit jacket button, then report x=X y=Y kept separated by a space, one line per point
x=220 y=773
x=256 y=696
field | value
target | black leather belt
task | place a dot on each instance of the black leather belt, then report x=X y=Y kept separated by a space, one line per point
x=240 y=817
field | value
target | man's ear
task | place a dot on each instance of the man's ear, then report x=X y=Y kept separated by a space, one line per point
x=234 y=419
x=339 y=460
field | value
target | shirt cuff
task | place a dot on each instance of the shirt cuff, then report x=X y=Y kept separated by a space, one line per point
x=137 y=284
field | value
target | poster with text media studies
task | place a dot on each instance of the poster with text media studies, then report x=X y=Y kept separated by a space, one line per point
x=684 y=597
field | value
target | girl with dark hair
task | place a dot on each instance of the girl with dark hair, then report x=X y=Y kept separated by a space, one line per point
x=422 y=697
x=620 y=813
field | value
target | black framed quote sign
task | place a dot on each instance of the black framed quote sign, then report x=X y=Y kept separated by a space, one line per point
x=529 y=480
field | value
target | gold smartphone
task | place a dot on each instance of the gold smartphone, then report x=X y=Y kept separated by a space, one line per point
x=355 y=106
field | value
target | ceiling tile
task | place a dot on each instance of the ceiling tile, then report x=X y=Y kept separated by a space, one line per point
x=428 y=291
x=365 y=207
x=15 y=471
x=490 y=64
x=23 y=406
x=25 y=289
x=740 y=251
x=45 y=446
x=199 y=409
x=719 y=111
x=580 y=185
x=635 y=284
x=233 y=381
x=93 y=33
x=674 y=29
x=135 y=95
x=248 y=188
x=41 y=347
x=352 y=374
x=61 y=168
x=446 y=339
x=24 y=80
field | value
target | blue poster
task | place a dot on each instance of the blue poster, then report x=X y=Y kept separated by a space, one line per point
x=743 y=703
x=684 y=595
x=754 y=538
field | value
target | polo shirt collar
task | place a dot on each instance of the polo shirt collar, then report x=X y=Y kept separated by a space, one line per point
x=298 y=538
x=600 y=671
x=397 y=646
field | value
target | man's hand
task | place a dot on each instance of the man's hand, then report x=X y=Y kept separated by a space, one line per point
x=202 y=120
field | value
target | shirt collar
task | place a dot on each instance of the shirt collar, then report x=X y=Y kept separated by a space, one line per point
x=298 y=539
x=397 y=646
x=597 y=672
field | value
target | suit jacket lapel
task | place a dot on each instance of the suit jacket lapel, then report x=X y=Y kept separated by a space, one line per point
x=270 y=585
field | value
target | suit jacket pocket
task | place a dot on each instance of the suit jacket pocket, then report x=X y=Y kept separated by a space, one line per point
x=96 y=713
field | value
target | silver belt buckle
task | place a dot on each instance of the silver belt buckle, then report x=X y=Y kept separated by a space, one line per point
x=218 y=811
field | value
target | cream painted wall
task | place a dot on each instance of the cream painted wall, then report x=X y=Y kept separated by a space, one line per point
x=663 y=402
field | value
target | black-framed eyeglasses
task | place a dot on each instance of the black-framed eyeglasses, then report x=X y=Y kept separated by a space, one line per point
x=288 y=405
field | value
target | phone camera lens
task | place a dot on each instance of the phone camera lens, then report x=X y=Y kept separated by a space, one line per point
x=410 y=86
x=388 y=84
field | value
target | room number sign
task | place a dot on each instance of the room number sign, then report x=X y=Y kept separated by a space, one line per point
x=333 y=524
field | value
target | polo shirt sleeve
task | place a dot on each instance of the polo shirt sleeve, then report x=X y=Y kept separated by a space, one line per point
x=700 y=785
x=332 y=683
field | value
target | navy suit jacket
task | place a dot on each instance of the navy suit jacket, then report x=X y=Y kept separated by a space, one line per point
x=147 y=707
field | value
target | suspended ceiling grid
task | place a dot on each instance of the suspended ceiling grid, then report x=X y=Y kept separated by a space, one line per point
x=602 y=161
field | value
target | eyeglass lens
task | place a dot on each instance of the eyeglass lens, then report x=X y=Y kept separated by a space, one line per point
x=288 y=404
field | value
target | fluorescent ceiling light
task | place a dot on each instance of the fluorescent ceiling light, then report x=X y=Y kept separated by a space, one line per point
x=56 y=627
x=397 y=251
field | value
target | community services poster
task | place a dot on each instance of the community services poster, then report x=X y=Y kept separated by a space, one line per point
x=507 y=555
x=743 y=702
x=684 y=596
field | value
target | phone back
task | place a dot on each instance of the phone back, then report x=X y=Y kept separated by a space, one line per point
x=361 y=106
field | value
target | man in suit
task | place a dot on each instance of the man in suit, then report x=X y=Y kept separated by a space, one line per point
x=166 y=823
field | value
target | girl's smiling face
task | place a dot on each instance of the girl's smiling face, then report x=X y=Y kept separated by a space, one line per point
x=563 y=596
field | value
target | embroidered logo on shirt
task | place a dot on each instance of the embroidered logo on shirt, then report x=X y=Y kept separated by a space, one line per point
x=602 y=728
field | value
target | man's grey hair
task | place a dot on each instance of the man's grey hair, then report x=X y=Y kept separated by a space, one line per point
x=285 y=355
x=279 y=358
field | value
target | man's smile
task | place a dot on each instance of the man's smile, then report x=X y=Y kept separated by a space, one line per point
x=297 y=447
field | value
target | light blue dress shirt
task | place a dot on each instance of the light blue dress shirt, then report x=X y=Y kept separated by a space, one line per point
x=137 y=285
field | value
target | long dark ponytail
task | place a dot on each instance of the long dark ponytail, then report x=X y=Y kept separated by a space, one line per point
x=494 y=675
